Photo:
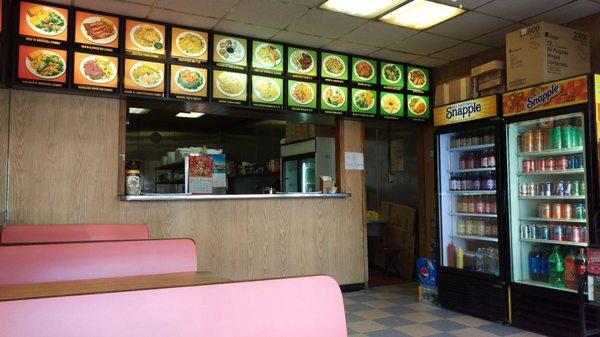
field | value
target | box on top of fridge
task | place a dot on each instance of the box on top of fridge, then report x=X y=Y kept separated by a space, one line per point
x=545 y=52
x=426 y=272
x=496 y=65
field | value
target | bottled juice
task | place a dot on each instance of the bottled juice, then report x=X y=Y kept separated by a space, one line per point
x=556 y=269
x=570 y=275
x=451 y=255
x=459 y=258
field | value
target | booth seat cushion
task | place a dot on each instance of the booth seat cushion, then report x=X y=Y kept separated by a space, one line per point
x=71 y=233
x=52 y=262
x=296 y=307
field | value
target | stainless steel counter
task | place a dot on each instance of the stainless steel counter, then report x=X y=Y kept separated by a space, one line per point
x=189 y=197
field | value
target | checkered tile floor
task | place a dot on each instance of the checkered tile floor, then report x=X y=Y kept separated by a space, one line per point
x=393 y=311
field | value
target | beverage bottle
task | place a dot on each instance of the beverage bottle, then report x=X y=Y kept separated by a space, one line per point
x=459 y=258
x=470 y=160
x=451 y=255
x=556 y=269
x=570 y=275
x=462 y=162
x=476 y=182
x=479 y=260
x=580 y=263
x=544 y=272
x=479 y=206
x=484 y=158
x=469 y=181
x=491 y=159
x=461 y=227
x=534 y=264
x=471 y=205
x=463 y=182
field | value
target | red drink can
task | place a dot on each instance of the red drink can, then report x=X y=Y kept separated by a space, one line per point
x=527 y=165
x=541 y=164
x=562 y=163
x=544 y=211
x=557 y=211
x=576 y=237
x=550 y=164
x=567 y=211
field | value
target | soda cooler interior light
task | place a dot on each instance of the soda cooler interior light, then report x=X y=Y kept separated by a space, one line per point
x=421 y=14
x=361 y=8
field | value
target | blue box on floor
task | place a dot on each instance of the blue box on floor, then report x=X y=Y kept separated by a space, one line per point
x=426 y=272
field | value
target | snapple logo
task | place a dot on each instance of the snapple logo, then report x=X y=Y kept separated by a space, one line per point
x=543 y=98
x=463 y=110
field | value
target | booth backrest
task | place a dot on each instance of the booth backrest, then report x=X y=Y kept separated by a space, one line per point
x=296 y=307
x=52 y=262
x=73 y=233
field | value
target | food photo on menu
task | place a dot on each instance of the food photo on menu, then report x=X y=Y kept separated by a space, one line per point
x=230 y=85
x=363 y=71
x=96 y=29
x=188 y=81
x=144 y=76
x=417 y=79
x=267 y=90
x=268 y=57
x=302 y=62
x=43 y=21
x=334 y=66
x=146 y=39
x=230 y=50
x=302 y=94
x=189 y=45
x=42 y=64
x=96 y=70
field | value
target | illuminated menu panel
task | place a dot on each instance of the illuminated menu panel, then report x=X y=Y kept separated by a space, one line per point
x=302 y=63
x=364 y=71
x=364 y=102
x=144 y=39
x=302 y=96
x=144 y=78
x=392 y=76
x=334 y=67
x=391 y=105
x=189 y=83
x=230 y=87
x=230 y=52
x=190 y=46
x=334 y=99
x=267 y=92
x=41 y=66
x=96 y=32
x=418 y=106
x=267 y=58
x=43 y=23
x=417 y=79
x=95 y=72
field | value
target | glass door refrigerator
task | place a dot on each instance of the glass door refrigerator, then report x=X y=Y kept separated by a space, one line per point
x=471 y=271
x=551 y=195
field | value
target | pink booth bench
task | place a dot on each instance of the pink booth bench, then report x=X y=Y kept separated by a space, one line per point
x=37 y=263
x=296 y=307
x=73 y=233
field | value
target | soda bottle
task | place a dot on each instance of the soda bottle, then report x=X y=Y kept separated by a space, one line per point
x=580 y=263
x=484 y=159
x=556 y=269
x=544 y=272
x=570 y=276
x=534 y=264
x=451 y=255
x=491 y=159
x=459 y=258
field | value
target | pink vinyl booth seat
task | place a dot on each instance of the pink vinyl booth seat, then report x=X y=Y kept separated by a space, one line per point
x=53 y=262
x=73 y=233
x=296 y=307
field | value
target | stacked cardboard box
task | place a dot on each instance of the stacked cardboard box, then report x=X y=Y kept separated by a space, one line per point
x=489 y=78
x=456 y=90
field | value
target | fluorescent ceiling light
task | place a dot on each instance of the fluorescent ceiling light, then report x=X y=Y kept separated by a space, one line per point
x=138 y=111
x=364 y=9
x=421 y=14
x=191 y=114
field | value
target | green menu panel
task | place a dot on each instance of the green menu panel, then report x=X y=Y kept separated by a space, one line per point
x=391 y=105
x=418 y=106
x=392 y=76
x=364 y=71
x=302 y=96
x=364 y=101
x=230 y=52
x=334 y=99
x=267 y=91
x=334 y=67
x=267 y=57
x=229 y=87
x=417 y=79
x=302 y=63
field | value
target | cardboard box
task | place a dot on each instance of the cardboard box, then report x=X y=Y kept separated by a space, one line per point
x=487 y=67
x=456 y=90
x=545 y=52
x=326 y=184
x=491 y=91
x=490 y=76
x=490 y=84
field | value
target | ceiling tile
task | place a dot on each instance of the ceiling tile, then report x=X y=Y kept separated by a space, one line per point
x=143 y=2
x=309 y=3
x=245 y=29
x=392 y=55
x=518 y=10
x=497 y=38
x=469 y=25
x=378 y=34
x=211 y=8
x=111 y=6
x=180 y=18
x=467 y=4
x=350 y=48
x=301 y=39
x=325 y=23
x=424 y=44
x=568 y=12
x=429 y=62
x=268 y=13
x=462 y=50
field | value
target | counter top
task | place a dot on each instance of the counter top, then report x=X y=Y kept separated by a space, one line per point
x=189 y=197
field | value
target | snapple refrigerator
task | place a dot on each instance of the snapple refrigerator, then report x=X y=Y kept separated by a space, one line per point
x=551 y=176
x=472 y=262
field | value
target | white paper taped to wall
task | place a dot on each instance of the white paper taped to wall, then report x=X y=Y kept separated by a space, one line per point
x=354 y=161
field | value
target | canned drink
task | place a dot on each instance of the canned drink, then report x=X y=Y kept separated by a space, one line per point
x=557 y=211
x=568 y=188
x=527 y=141
x=562 y=163
x=578 y=134
x=567 y=211
x=576 y=236
x=557 y=233
x=527 y=165
x=582 y=188
x=544 y=233
x=579 y=161
x=548 y=189
x=550 y=164
x=533 y=232
x=544 y=211
x=541 y=164
x=579 y=211
x=525 y=232
x=575 y=188
x=556 y=137
x=469 y=227
x=524 y=190
x=538 y=140
x=582 y=234
x=568 y=233
x=567 y=137
x=533 y=189
x=542 y=189
x=559 y=188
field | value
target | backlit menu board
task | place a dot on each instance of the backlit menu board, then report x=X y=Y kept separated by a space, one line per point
x=230 y=87
x=144 y=39
x=302 y=96
x=43 y=23
x=334 y=67
x=364 y=102
x=189 y=83
x=364 y=72
x=267 y=58
x=267 y=92
x=144 y=78
x=190 y=46
x=302 y=63
x=392 y=76
x=96 y=32
x=95 y=72
x=230 y=52
x=418 y=106
x=391 y=105
x=41 y=66
x=417 y=79
x=334 y=99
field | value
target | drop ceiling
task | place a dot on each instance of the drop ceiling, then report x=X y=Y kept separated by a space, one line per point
x=301 y=22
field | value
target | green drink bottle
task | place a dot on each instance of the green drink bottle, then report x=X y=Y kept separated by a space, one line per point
x=556 y=269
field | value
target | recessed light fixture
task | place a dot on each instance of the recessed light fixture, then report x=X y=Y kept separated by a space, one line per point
x=361 y=8
x=421 y=14
x=191 y=114
x=138 y=111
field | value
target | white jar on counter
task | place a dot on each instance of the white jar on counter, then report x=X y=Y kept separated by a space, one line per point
x=133 y=182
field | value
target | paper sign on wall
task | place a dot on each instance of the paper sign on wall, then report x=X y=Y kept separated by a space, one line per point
x=354 y=161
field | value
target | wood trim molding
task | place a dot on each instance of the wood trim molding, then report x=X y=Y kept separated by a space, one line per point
x=122 y=146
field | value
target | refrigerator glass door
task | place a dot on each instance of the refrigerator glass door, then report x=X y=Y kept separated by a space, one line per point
x=547 y=199
x=467 y=200
x=290 y=175
x=308 y=175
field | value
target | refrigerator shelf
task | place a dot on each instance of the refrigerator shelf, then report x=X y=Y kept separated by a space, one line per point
x=552 y=197
x=555 y=172
x=471 y=148
x=544 y=285
x=473 y=237
x=552 y=152
x=553 y=220
x=474 y=170
x=554 y=242
x=473 y=192
x=476 y=215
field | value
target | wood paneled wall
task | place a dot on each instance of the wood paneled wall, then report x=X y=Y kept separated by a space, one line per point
x=64 y=159
x=3 y=150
